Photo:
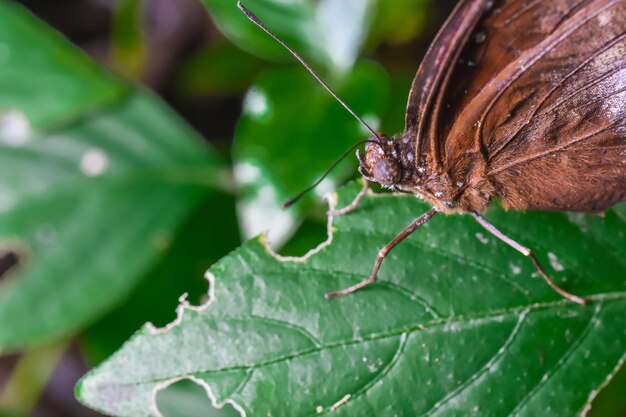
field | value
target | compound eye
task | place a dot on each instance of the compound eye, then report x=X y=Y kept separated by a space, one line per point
x=386 y=172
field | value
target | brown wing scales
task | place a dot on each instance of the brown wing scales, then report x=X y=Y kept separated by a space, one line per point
x=424 y=102
x=545 y=103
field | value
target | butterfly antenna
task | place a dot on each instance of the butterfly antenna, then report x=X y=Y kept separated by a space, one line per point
x=291 y=201
x=260 y=24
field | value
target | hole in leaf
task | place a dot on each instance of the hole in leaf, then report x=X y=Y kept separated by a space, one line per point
x=309 y=236
x=186 y=398
x=9 y=259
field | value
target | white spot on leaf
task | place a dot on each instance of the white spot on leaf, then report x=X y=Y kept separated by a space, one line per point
x=554 y=262
x=482 y=238
x=255 y=104
x=246 y=173
x=14 y=129
x=94 y=162
x=579 y=219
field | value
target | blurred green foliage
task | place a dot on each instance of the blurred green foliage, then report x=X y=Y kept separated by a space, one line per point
x=128 y=47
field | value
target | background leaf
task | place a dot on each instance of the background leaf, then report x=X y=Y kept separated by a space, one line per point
x=201 y=241
x=326 y=31
x=62 y=84
x=220 y=68
x=400 y=21
x=458 y=316
x=128 y=52
x=57 y=107
x=95 y=178
x=280 y=147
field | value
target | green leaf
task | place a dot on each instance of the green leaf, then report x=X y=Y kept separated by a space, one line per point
x=221 y=69
x=458 y=323
x=90 y=208
x=399 y=21
x=281 y=147
x=129 y=51
x=91 y=198
x=201 y=241
x=44 y=77
x=327 y=31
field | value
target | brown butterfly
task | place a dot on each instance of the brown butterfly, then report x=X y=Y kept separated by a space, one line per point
x=521 y=100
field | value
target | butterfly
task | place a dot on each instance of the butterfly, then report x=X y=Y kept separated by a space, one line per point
x=523 y=101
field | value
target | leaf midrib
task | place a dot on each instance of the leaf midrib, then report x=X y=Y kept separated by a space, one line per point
x=491 y=315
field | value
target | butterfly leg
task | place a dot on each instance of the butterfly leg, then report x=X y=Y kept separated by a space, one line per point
x=354 y=203
x=526 y=252
x=413 y=226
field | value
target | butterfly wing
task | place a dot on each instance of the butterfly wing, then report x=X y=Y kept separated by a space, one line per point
x=543 y=101
x=433 y=76
x=530 y=95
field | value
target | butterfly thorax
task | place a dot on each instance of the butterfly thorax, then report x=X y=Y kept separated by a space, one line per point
x=392 y=162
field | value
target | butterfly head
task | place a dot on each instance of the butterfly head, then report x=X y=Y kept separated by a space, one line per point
x=380 y=162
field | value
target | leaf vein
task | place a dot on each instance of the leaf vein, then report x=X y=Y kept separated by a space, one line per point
x=568 y=353
x=385 y=370
x=396 y=332
x=501 y=352
x=295 y=327
x=455 y=257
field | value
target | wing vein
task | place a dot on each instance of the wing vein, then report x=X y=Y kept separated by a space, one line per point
x=533 y=57
x=528 y=6
x=596 y=53
x=584 y=88
x=557 y=149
